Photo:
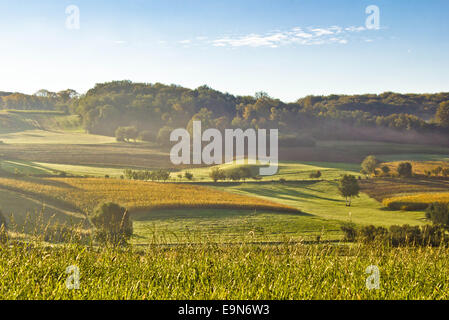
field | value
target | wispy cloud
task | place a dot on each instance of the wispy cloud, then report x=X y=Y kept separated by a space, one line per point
x=295 y=36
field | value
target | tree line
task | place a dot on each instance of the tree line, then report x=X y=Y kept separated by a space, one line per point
x=150 y=112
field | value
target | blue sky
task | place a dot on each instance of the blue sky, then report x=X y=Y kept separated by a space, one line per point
x=288 y=48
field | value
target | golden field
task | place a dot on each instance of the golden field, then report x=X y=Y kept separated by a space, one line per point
x=85 y=193
x=415 y=201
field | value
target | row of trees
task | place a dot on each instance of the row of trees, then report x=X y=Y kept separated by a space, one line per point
x=235 y=174
x=146 y=175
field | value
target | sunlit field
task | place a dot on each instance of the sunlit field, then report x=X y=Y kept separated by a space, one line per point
x=31 y=271
x=85 y=194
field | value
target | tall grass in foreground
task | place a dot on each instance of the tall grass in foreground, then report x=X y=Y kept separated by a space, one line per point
x=206 y=271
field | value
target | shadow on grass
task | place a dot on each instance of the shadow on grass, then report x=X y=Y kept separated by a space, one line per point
x=287 y=193
x=205 y=213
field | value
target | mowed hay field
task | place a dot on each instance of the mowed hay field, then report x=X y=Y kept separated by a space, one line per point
x=85 y=194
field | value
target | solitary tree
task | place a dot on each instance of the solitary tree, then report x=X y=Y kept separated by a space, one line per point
x=348 y=188
x=369 y=164
x=442 y=115
x=405 y=169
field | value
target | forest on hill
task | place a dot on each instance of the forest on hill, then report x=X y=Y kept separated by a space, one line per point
x=155 y=109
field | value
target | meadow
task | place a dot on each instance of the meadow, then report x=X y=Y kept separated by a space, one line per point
x=205 y=271
x=275 y=238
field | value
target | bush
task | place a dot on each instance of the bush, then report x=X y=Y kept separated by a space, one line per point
x=350 y=232
x=396 y=236
x=216 y=174
x=188 y=175
x=112 y=223
x=126 y=133
x=315 y=175
x=385 y=170
x=372 y=233
x=438 y=213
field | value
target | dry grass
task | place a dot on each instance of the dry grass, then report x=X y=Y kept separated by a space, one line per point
x=85 y=194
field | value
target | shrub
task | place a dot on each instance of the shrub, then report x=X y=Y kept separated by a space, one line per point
x=126 y=133
x=350 y=233
x=217 y=174
x=385 y=170
x=188 y=175
x=372 y=233
x=397 y=236
x=315 y=175
x=112 y=223
x=438 y=213
x=405 y=235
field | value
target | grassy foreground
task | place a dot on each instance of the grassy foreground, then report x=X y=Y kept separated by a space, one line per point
x=31 y=271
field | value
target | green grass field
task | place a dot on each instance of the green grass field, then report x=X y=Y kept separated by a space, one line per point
x=321 y=199
x=209 y=253
x=225 y=226
x=288 y=170
x=242 y=272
